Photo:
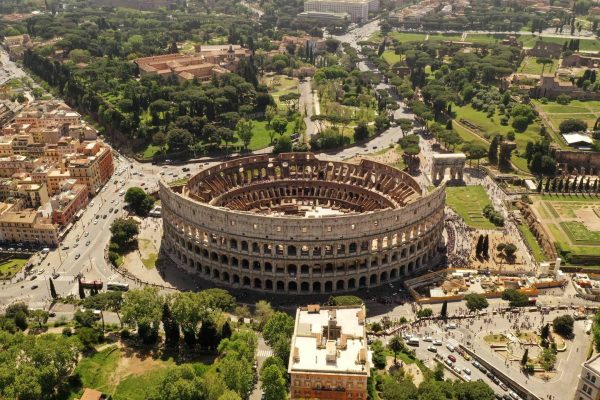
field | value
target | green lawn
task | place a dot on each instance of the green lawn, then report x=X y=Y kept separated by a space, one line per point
x=468 y=202
x=11 y=267
x=391 y=57
x=483 y=38
x=96 y=371
x=492 y=126
x=150 y=151
x=580 y=234
x=587 y=111
x=531 y=66
x=408 y=37
x=261 y=139
x=442 y=38
x=150 y=262
x=538 y=254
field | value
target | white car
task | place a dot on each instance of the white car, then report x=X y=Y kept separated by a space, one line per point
x=87 y=234
x=428 y=339
x=451 y=325
x=92 y=203
x=467 y=371
x=95 y=221
x=437 y=342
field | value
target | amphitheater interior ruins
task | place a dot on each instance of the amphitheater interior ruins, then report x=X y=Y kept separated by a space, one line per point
x=296 y=224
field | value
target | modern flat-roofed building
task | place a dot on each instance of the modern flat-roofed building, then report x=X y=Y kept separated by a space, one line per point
x=588 y=387
x=357 y=9
x=329 y=357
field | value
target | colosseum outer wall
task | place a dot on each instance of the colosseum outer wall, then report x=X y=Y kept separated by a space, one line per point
x=286 y=254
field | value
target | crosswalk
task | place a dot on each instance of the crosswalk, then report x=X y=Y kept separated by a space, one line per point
x=264 y=353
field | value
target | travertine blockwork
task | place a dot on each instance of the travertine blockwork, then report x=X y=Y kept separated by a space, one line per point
x=299 y=225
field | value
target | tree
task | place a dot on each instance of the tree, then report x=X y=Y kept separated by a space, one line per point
x=493 y=150
x=396 y=345
x=405 y=125
x=226 y=330
x=81 y=289
x=444 y=311
x=124 y=231
x=425 y=313
x=545 y=334
x=208 y=336
x=476 y=302
x=143 y=309
x=474 y=151
x=476 y=390
x=278 y=324
x=140 y=202
x=244 y=131
x=270 y=113
x=515 y=298
x=52 y=288
x=572 y=125
x=237 y=374
x=544 y=61
x=39 y=316
x=170 y=326
x=525 y=357
x=563 y=325
x=262 y=313
x=378 y=354
x=273 y=384
x=279 y=125
x=361 y=132
x=283 y=145
x=382 y=122
x=159 y=139
x=179 y=139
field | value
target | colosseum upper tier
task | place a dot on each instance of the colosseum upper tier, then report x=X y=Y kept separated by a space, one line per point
x=295 y=224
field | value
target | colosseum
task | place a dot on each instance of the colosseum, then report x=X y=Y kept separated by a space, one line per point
x=295 y=224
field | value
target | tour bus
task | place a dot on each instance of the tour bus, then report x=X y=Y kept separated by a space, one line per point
x=117 y=286
x=413 y=341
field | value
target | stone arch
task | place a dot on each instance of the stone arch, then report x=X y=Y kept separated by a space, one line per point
x=291 y=250
x=233 y=244
x=340 y=285
x=305 y=287
x=373 y=279
x=316 y=287
x=216 y=273
x=328 y=287
x=292 y=286
x=257 y=283
x=292 y=269
x=351 y=283
x=225 y=276
x=246 y=281
x=383 y=277
x=236 y=278
x=269 y=284
x=280 y=286
x=362 y=282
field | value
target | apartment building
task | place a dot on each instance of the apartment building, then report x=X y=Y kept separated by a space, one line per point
x=94 y=169
x=329 y=357
x=65 y=205
x=357 y=9
x=27 y=226
x=588 y=387
x=16 y=163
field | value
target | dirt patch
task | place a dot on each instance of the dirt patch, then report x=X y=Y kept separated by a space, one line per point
x=589 y=218
x=415 y=372
x=131 y=363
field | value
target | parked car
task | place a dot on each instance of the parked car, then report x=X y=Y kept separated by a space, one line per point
x=451 y=358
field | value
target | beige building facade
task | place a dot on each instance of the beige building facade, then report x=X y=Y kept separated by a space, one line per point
x=588 y=387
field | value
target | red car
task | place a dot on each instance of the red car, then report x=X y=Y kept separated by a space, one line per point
x=451 y=358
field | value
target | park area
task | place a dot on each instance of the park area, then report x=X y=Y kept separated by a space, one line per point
x=555 y=113
x=534 y=66
x=468 y=202
x=481 y=129
x=10 y=267
x=124 y=373
x=574 y=225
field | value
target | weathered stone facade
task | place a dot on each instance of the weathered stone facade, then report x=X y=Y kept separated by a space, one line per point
x=247 y=223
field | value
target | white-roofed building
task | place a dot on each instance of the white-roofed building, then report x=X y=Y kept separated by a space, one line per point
x=577 y=140
x=329 y=357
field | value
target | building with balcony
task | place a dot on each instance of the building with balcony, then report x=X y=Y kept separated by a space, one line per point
x=357 y=9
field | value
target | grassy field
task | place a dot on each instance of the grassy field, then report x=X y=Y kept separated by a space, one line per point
x=587 y=111
x=279 y=85
x=123 y=375
x=484 y=38
x=492 y=126
x=531 y=66
x=391 y=57
x=538 y=254
x=443 y=38
x=11 y=267
x=468 y=202
x=260 y=139
x=566 y=224
x=150 y=151
x=408 y=36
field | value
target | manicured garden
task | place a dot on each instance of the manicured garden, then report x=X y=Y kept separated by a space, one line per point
x=468 y=202
x=538 y=254
x=11 y=267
